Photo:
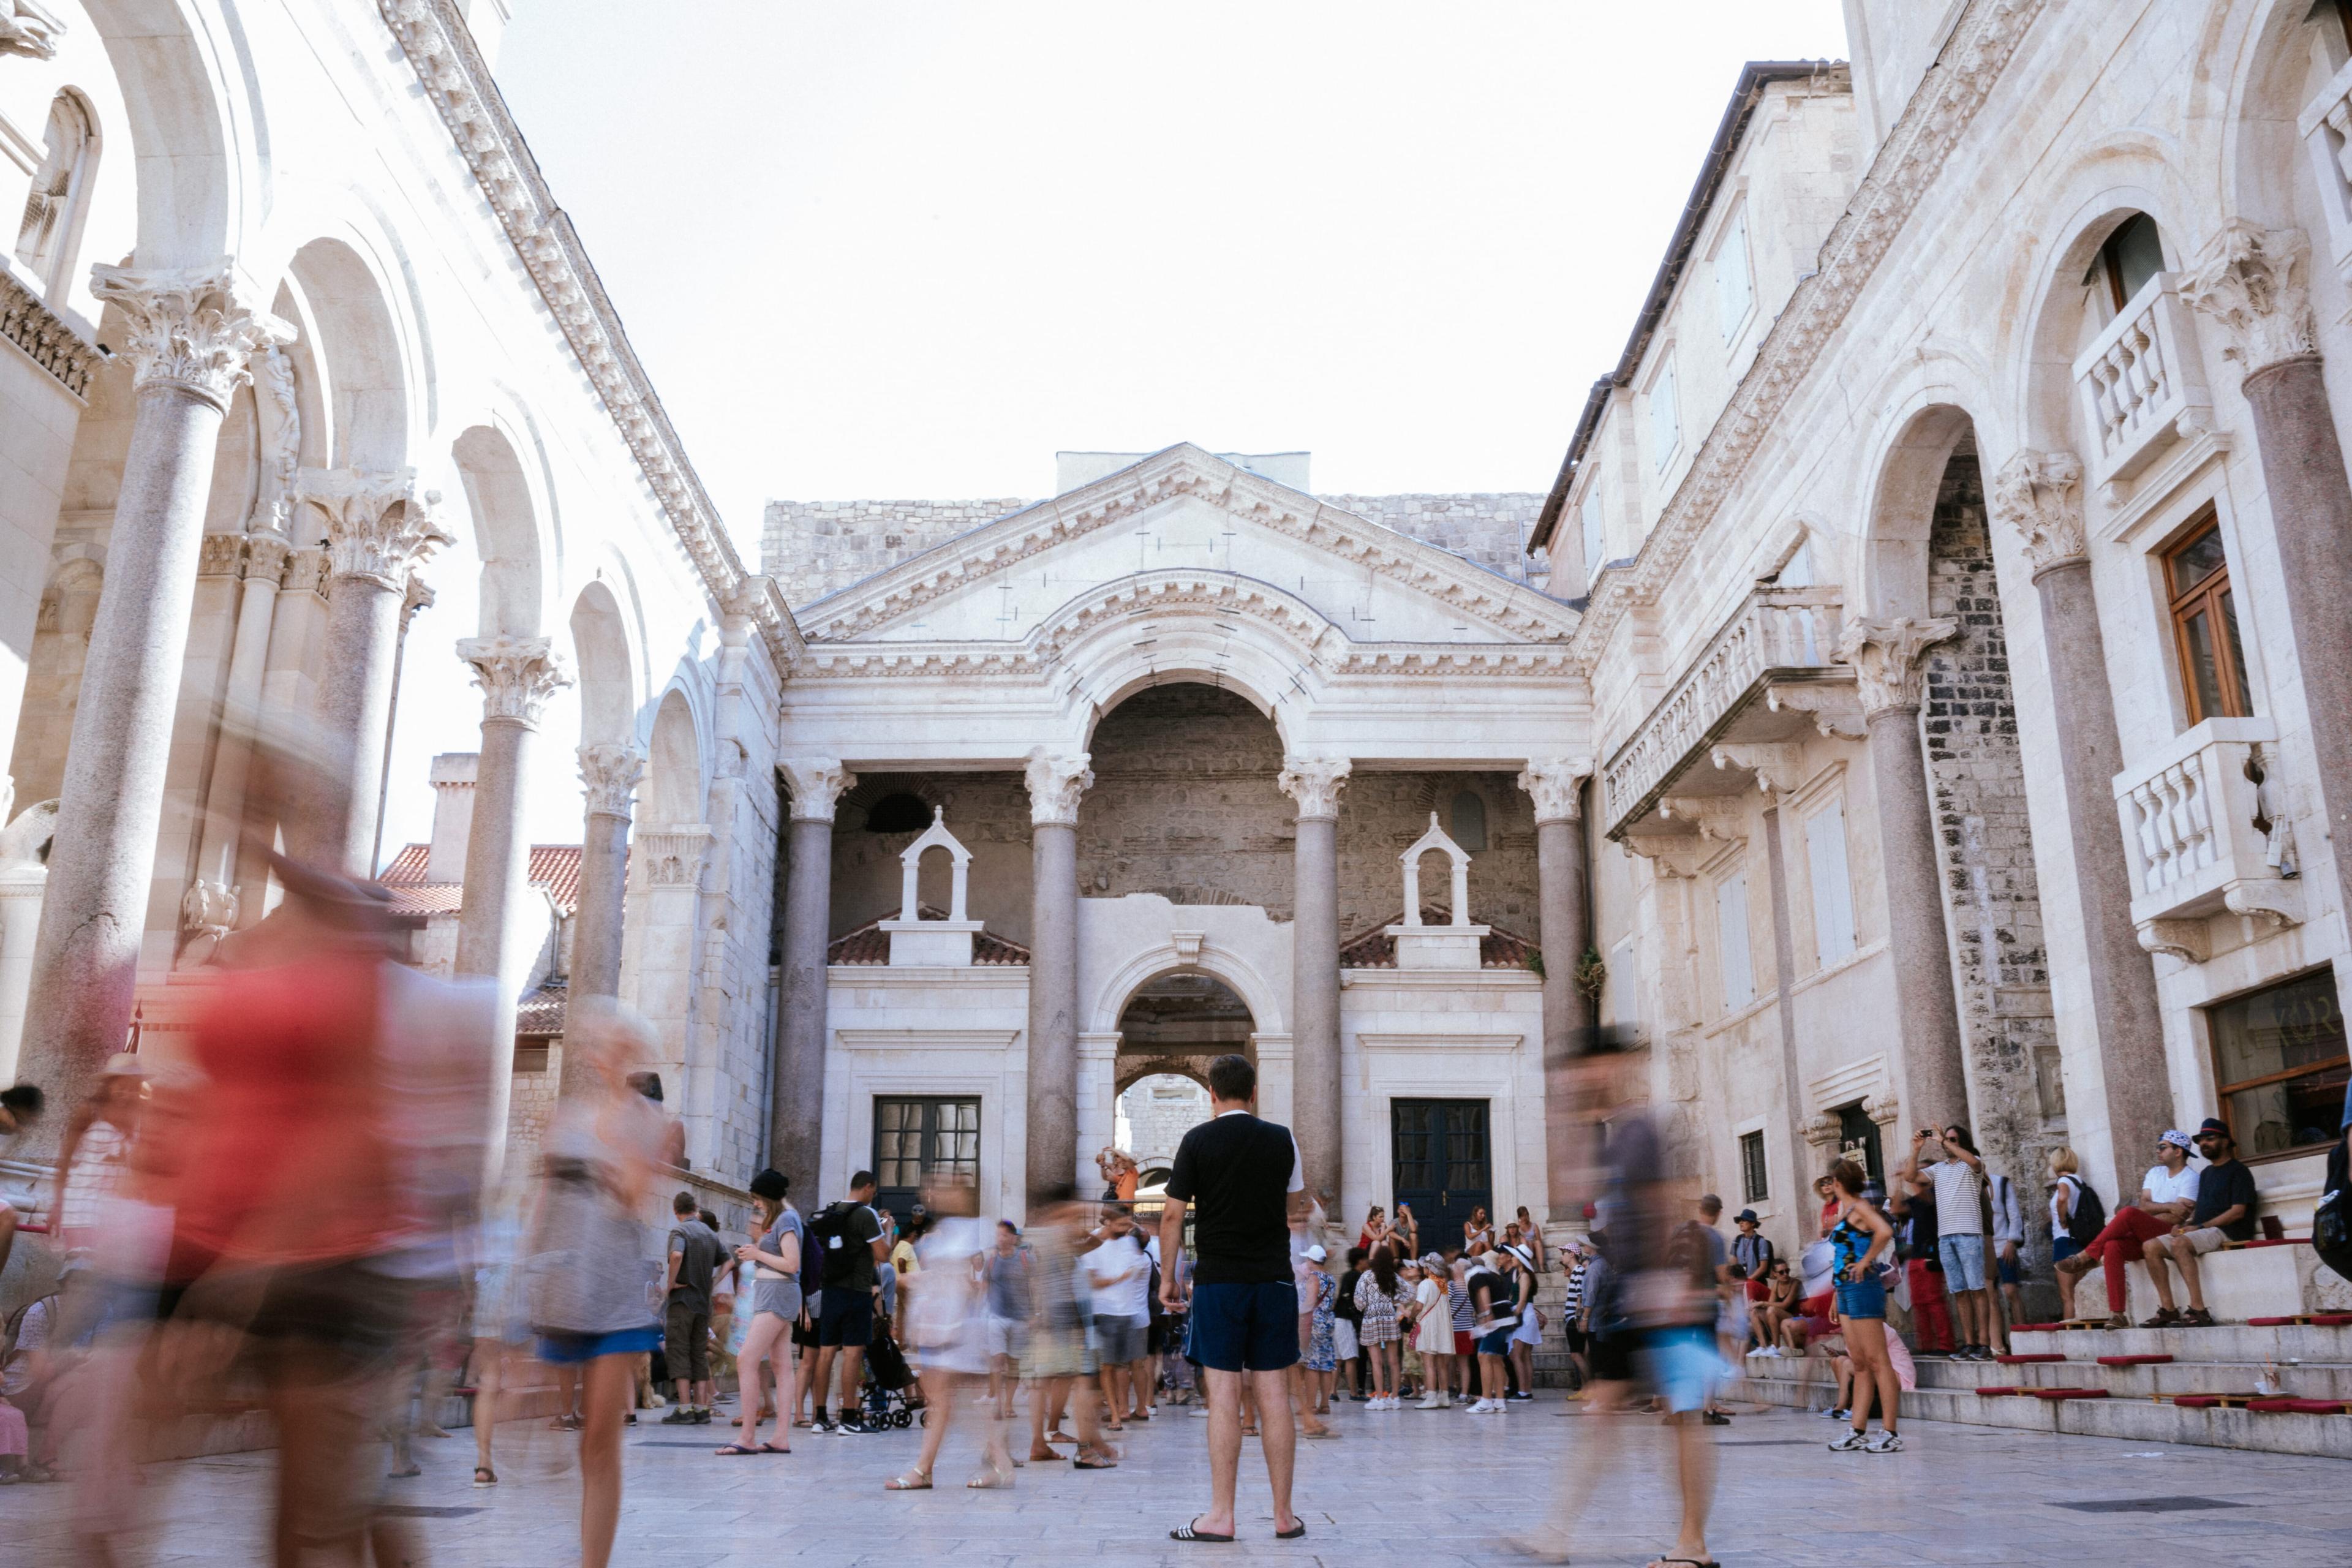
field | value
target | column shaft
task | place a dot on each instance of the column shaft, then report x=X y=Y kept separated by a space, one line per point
x=2122 y=979
x=85 y=966
x=1315 y=1006
x=1053 y=1006
x=225 y=796
x=796 y=1133
x=1935 y=1074
x=604 y=898
x=1784 y=972
x=354 y=706
x=1564 y=932
x=497 y=879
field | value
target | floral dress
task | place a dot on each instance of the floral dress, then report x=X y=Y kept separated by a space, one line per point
x=1322 y=1355
x=1379 y=1310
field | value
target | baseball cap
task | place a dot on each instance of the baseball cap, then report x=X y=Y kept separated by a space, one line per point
x=2176 y=1137
x=1316 y=1254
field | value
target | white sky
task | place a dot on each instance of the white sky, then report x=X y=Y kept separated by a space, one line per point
x=883 y=249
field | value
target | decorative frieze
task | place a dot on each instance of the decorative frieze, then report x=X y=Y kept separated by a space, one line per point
x=610 y=770
x=379 y=528
x=2251 y=280
x=2038 y=494
x=1556 y=786
x=1314 y=783
x=44 y=337
x=1055 y=780
x=516 y=675
x=816 y=784
x=220 y=556
x=188 y=329
x=1887 y=657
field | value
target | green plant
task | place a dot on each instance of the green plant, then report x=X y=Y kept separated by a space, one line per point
x=1591 y=973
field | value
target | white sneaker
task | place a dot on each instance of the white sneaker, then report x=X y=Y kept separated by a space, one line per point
x=1851 y=1442
x=1759 y=1350
x=1882 y=1442
x=1484 y=1407
x=1427 y=1402
x=1445 y=1402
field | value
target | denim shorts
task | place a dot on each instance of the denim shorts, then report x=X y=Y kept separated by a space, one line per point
x=1684 y=1366
x=1963 y=1259
x=1865 y=1299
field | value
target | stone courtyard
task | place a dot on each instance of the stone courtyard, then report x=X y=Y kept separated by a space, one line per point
x=1436 y=1489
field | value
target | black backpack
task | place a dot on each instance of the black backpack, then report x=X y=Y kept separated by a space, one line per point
x=835 y=1233
x=2088 y=1217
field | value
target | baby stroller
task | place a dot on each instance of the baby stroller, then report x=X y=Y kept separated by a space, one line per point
x=890 y=1397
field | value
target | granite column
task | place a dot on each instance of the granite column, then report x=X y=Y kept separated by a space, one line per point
x=1056 y=782
x=796 y=1127
x=1564 y=922
x=1314 y=783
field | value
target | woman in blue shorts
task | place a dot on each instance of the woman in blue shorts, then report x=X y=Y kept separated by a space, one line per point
x=1860 y=1238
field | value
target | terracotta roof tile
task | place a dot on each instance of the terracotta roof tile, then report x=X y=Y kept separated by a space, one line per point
x=1498 y=949
x=554 y=866
x=541 y=1014
x=869 y=943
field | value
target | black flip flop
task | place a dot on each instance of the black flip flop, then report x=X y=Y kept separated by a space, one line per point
x=1188 y=1533
x=1293 y=1533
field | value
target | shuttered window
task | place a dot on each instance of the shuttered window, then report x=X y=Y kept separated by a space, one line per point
x=1834 y=933
x=1731 y=928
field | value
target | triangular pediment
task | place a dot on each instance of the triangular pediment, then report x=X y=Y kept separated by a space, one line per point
x=1186 y=510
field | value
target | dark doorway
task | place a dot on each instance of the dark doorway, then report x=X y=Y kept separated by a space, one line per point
x=1441 y=1164
x=1858 y=1138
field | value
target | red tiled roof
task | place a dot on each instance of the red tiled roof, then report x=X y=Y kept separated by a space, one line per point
x=541 y=1014
x=1498 y=949
x=554 y=866
x=869 y=943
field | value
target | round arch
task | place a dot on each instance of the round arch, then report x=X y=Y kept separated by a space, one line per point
x=601 y=653
x=1909 y=472
x=361 y=392
x=674 y=784
x=198 y=141
x=1162 y=960
x=506 y=531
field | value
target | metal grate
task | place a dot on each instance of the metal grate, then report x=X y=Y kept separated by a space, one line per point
x=2148 y=1505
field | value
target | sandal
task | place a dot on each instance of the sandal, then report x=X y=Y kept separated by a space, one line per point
x=1041 y=1455
x=1188 y=1532
x=485 y=1477
x=771 y=1448
x=2165 y=1317
x=737 y=1451
x=1298 y=1528
x=1092 y=1462
x=2198 y=1318
x=912 y=1482
x=989 y=1478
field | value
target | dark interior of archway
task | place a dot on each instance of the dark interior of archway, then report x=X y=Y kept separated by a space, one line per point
x=1184 y=803
x=1178 y=1024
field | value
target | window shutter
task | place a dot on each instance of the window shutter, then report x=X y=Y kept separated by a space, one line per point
x=1734 y=290
x=1666 y=416
x=1834 y=933
x=1731 y=927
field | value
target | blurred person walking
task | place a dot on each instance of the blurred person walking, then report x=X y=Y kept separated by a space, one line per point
x=501 y=1349
x=20 y=1106
x=1119 y=1276
x=774 y=1306
x=949 y=1330
x=1243 y=1176
x=1011 y=1296
x=1060 y=1367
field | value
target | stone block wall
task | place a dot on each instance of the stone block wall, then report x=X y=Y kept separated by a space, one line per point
x=1992 y=899
x=1489 y=530
x=1153 y=1123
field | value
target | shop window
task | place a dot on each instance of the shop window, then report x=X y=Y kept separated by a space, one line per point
x=2279 y=1058
x=2205 y=625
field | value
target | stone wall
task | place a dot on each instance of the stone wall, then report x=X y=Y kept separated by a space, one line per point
x=1154 y=1122
x=1993 y=902
x=1490 y=530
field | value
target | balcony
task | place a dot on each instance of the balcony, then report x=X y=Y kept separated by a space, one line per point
x=2327 y=127
x=2207 y=830
x=2142 y=382
x=1776 y=633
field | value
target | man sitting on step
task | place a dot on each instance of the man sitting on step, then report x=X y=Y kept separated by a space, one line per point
x=2224 y=1212
x=2167 y=1195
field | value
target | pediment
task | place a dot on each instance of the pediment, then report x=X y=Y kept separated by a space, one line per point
x=1005 y=583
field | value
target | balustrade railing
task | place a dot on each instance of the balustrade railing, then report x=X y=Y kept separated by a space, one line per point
x=2143 y=382
x=2207 y=825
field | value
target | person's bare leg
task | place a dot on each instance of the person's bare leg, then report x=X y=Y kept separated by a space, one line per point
x=1280 y=1441
x=2185 y=1257
x=605 y=1400
x=489 y=1373
x=1694 y=1457
x=756 y=1343
x=1224 y=1450
x=2153 y=1253
x=939 y=1399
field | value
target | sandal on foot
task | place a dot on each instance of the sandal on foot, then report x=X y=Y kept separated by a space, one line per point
x=912 y=1482
x=485 y=1477
x=990 y=1479
x=1298 y=1529
x=1092 y=1462
x=1042 y=1455
x=2165 y=1317
x=2197 y=1317
x=1188 y=1532
x=771 y=1448
x=737 y=1451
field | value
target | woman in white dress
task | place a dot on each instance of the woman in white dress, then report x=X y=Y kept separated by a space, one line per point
x=947 y=1328
x=1433 y=1333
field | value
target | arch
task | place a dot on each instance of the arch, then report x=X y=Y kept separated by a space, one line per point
x=1198 y=999
x=2263 y=78
x=674 y=792
x=1161 y=960
x=600 y=650
x=194 y=127
x=1902 y=509
x=361 y=392
x=506 y=531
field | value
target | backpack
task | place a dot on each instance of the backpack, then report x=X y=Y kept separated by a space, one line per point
x=2088 y=1217
x=835 y=1233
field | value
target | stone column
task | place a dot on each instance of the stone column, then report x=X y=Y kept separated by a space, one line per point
x=1564 y=920
x=2250 y=281
x=1314 y=783
x=610 y=772
x=796 y=1130
x=1056 y=782
x=188 y=336
x=22 y=880
x=379 y=531
x=1885 y=656
x=516 y=676
x=217 y=892
x=2039 y=495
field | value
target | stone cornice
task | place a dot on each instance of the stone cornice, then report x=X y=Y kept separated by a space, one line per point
x=1940 y=113
x=457 y=81
x=45 y=339
x=1181 y=472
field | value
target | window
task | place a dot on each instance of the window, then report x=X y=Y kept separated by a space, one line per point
x=1834 y=933
x=2279 y=1057
x=1797 y=572
x=915 y=1136
x=900 y=813
x=2132 y=255
x=48 y=233
x=1734 y=291
x=2205 y=625
x=1469 y=829
x=1753 y=1187
x=1731 y=928
x=1596 y=543
x=1665 y=417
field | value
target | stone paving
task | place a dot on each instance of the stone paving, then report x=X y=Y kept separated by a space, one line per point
x=1434 y=1489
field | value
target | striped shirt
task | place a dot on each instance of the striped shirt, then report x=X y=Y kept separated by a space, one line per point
x=98 y=1164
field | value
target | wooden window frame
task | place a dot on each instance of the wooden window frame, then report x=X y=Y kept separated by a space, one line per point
x=928 y=1134
x=1756 y=1178
x=2180 y=607
x=2225 y=1090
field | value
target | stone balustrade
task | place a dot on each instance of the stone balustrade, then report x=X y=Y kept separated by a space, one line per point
x=1775 y=631
x=2142 y=382
x=2208 y=834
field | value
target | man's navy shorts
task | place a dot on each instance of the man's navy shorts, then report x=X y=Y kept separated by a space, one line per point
x=845 y=1316
x=1245 y=1328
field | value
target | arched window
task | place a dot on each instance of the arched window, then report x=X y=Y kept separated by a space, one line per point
x=900 y=813
x=1469 y=824
x=51 y=228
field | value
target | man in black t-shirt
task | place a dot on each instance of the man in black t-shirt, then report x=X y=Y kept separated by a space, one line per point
x=1242 y=1178
x=2224 y=1212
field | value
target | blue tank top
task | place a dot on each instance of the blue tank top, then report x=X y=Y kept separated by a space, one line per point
x=1848 y=1244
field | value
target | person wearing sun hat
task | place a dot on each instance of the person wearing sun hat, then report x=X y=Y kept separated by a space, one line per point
x=2167 y=1195
x=2224 y=1211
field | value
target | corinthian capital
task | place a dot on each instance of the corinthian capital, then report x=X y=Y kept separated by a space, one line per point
x=816 y=782
x=187 y=329
x=1314 y=783
x=1885 y=656
x=380 y=527
x=2038 y=494
x=2249 y=279
x=1553 y=784
x=29 y=30
x=611 y=770
x=1055 y=780
x=516 y=676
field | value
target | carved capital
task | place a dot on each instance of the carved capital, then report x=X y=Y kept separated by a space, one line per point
x=1887 y=655
x=2249 y=279
x=673 y=855
x=611 y=770
x=220 y=554
x=1778 y=767
x=1314 y=783
x=516 y=676
x=816 y=782
x=1836 y=710
x=1824 y=1132
x=379 y=528
x=1055 y=780
x=27 y=29
x=265 y=557
x=1555 y=785
x=187 y=329
x=2190 y=940
x=2038 y=494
